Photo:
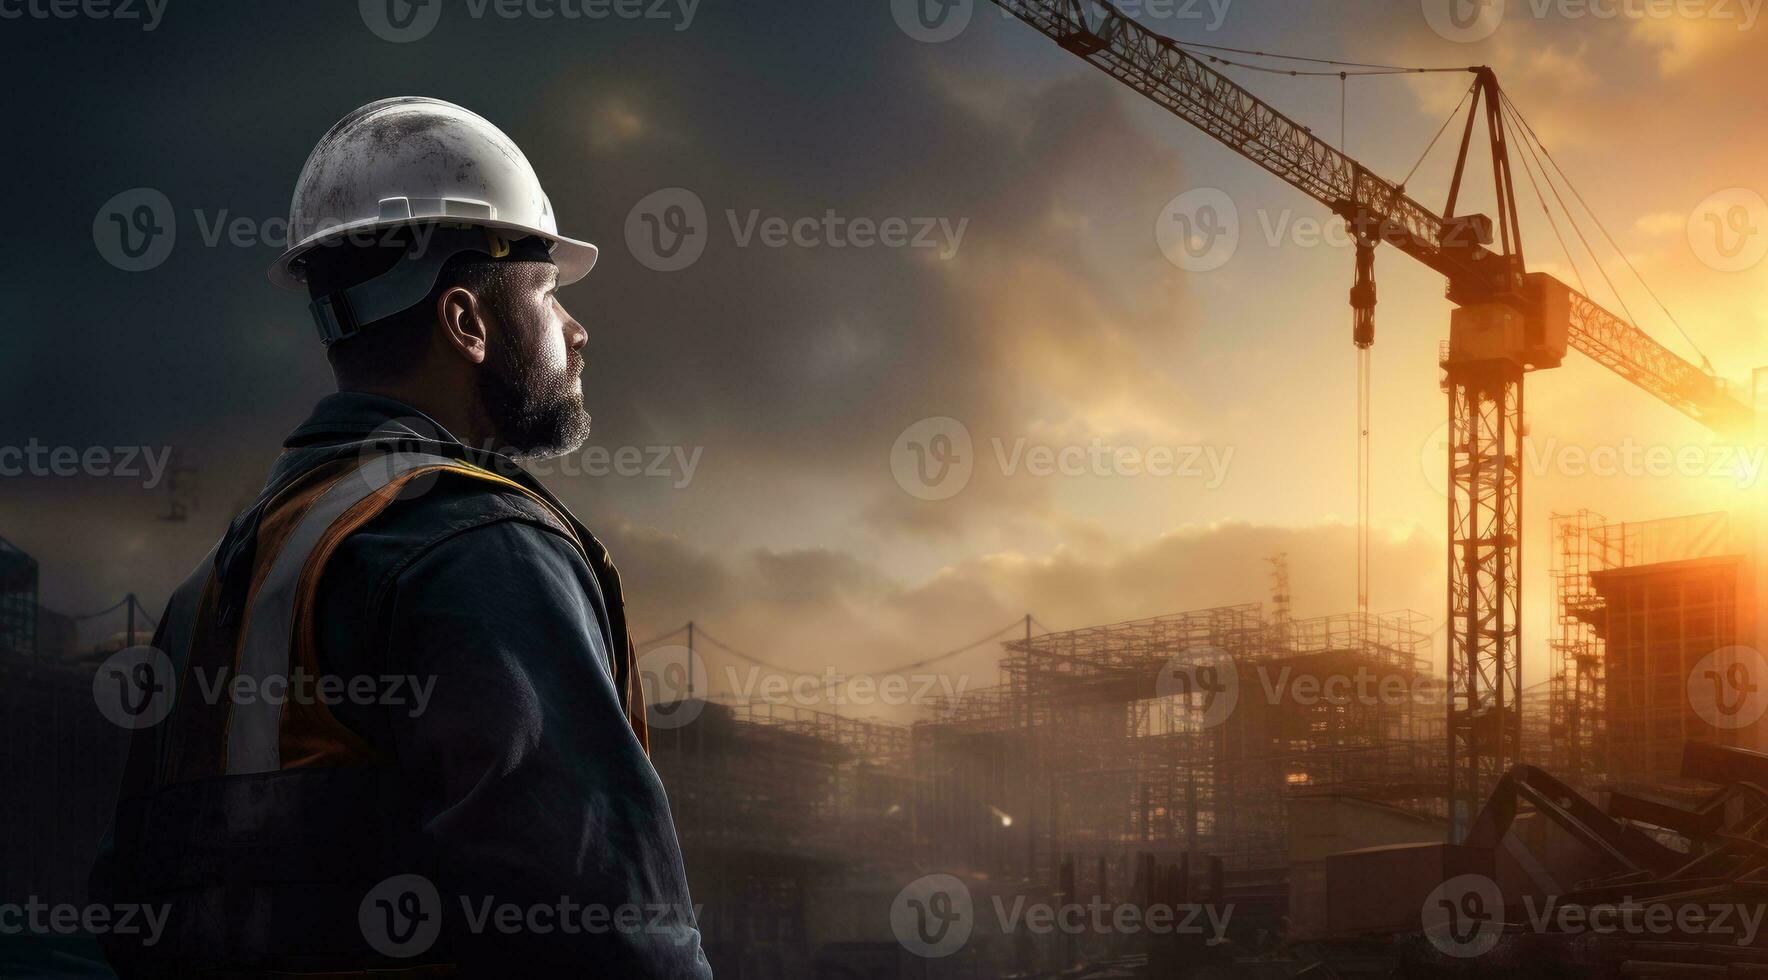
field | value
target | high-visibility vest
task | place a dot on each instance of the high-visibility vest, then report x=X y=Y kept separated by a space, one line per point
x=246 y=818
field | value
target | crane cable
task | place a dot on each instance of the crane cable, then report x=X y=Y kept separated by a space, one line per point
x=1573 y=221
x=1365 y=364
x=108 y=609
x=701 y=632
x=1453 y=115
x=1292 y=57
x=1552 y=220
x=1516 y=114
x=1371 y=69
x=1532 y=141
x=660 y=636
x=1365 y=484
x=120 y=603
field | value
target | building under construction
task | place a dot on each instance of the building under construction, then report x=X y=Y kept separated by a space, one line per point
x=1656 y=636
x=1186 y=737
x=1188 y=742
x=1240 y=756
x=783 y=812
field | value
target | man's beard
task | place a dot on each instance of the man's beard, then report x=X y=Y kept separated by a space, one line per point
x=537 y=413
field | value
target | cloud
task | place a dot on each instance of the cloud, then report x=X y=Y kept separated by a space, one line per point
x=802 y=365
x=1684 y=44
x=1661 y=224
x=1057 y=320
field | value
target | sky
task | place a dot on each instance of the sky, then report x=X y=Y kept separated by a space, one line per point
x=901 y=242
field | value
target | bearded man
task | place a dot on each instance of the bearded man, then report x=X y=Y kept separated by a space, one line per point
x=398 y=700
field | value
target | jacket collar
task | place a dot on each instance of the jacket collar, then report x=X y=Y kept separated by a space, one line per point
x=347 y=416
x=350 y=424
x=353 y=422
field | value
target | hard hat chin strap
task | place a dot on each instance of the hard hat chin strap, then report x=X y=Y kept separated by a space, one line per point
x=345 y=313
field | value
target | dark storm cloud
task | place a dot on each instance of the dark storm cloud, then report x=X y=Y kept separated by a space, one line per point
x=793 y=369
x=778 y=361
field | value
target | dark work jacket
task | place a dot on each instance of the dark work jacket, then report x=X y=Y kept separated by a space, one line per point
x=521 y=791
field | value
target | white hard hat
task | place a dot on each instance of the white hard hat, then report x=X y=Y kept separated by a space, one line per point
x=410 y=161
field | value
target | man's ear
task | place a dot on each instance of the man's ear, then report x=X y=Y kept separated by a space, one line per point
x=464 y=323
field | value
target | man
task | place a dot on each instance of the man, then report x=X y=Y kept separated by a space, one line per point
x=406 y=733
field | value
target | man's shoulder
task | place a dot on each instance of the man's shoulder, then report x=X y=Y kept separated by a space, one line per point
x=447 y=498
x=453 y=512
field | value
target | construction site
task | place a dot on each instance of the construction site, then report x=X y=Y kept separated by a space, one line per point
x=1369 y=794
x=1234 y=758
x=1293 y=770
x=1560 y=773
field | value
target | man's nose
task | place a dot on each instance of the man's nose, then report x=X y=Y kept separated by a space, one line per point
x=575 y=336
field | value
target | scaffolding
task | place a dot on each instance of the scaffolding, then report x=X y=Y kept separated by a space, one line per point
x=1638 y=606
x=787 y=780
x=772 y=802
x=1107 y=742
x=1177 y=741
x=1577 y=724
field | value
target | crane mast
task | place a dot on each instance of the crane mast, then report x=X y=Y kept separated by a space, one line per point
x=1507 y=322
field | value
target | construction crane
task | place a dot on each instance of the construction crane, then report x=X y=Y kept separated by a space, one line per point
x=1507 y=321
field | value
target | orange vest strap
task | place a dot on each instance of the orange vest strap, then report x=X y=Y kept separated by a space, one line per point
x=300 y=532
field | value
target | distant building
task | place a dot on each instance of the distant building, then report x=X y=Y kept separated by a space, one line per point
x=1672 y=594
x=62 y=759
x=18 y=601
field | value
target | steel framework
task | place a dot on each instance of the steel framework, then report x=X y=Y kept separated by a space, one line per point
x=1576 y=720
x=1485 y=589
x=1083 y=749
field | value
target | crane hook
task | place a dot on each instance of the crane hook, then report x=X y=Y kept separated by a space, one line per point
x=1363 y=295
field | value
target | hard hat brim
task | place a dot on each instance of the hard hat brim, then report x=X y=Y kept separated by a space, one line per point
x=574 y=258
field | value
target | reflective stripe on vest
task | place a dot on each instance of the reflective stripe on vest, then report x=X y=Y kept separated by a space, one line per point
x=254 y=730
x=280 y=610
x=261 y=824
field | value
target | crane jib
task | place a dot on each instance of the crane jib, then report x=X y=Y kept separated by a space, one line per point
x=1162 y=71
